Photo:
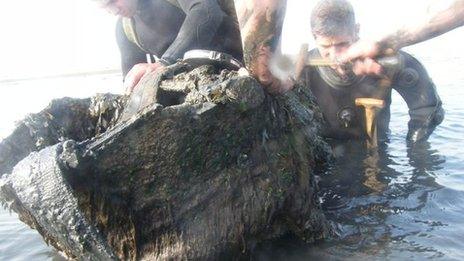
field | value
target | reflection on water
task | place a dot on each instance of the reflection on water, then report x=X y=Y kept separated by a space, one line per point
x=367 y=197
x=381 y=207
x=19 y=242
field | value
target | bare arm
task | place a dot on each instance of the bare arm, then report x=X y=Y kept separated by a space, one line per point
x=260 y=27
x=436 y=23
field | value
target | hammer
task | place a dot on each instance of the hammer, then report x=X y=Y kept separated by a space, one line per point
x=371 y=107
x=283 y=66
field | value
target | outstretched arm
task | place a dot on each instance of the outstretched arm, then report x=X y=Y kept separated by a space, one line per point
x=436 y=23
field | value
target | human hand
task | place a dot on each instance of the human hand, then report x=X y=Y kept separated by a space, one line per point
x=272 y=84
x=261 y=71
x=361 y=56
x=277 y=86
x=360 y=50
x=367 y=66
x=137 y=72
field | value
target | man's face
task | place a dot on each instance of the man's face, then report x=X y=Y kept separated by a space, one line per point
x=126 y=8
x=331 y=47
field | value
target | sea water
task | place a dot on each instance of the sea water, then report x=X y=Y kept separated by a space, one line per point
x=397 y=202
x=18 y=241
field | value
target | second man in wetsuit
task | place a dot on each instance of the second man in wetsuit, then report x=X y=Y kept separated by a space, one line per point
x=336 y=88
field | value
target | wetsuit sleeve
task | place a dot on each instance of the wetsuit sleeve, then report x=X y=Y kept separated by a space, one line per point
x=203 y=18
x=417 y=89
x=131 y=54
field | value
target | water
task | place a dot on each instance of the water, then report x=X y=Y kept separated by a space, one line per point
x=395 y=203
x=18 y=241
x=390 y=204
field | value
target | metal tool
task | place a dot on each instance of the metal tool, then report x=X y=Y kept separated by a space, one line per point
x=283 y=66
x=371 y=107
x=389 y=63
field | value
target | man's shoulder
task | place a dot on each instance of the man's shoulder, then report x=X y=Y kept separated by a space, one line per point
x=407 y=56
x=411 y=71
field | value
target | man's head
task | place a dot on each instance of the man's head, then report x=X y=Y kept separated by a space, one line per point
x=126 y=8
x=334 y=27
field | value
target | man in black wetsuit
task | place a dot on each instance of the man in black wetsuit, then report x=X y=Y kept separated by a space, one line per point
x=336 y=88
x=166 y=29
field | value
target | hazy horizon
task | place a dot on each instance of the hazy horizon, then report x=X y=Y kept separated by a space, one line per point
x=53 y=37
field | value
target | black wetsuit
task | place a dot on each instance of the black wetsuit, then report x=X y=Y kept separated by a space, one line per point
x=344 y=120
x=168 y=31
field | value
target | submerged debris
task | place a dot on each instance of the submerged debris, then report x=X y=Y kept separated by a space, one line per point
x=204 y=164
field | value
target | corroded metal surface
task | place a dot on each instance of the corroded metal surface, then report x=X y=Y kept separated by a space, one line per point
x=213 y=166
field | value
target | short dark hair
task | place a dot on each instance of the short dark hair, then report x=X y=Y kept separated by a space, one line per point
x=332 y=17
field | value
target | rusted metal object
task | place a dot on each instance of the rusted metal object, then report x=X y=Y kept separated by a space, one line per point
x=209 y=168
x=371 y=107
